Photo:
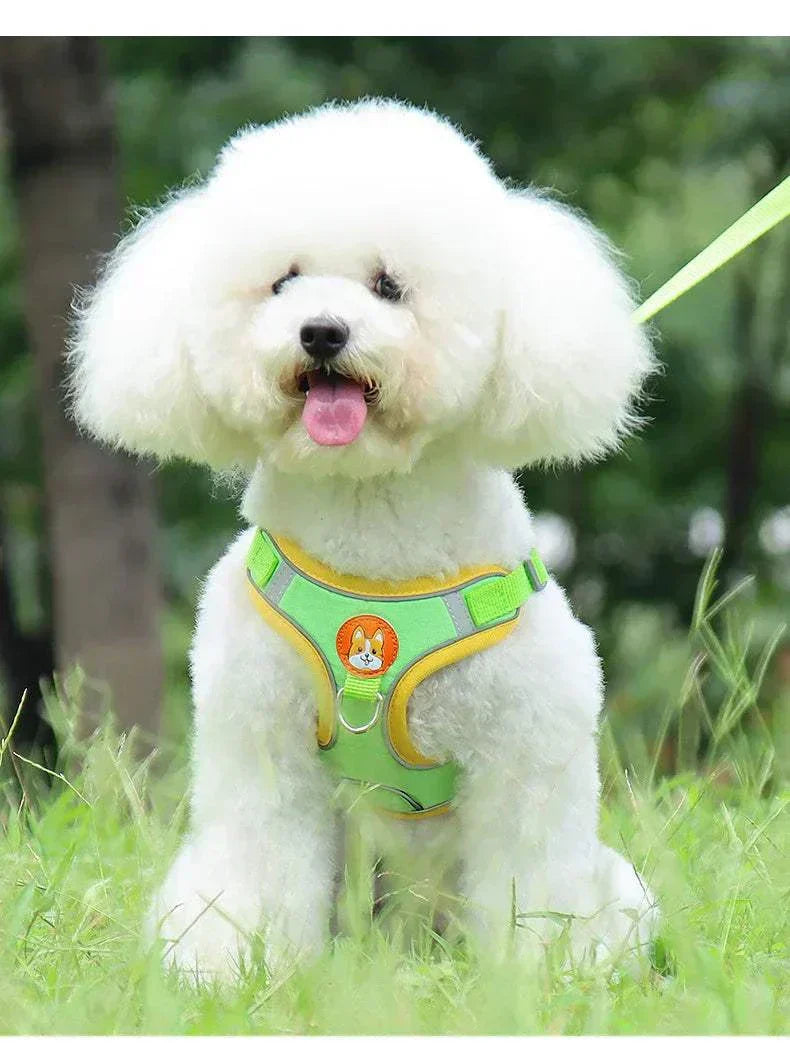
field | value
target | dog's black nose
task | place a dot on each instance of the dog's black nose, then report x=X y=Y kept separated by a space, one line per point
x=323 y=338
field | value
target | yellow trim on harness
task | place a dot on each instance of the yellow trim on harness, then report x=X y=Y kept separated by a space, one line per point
x=325 y=691
x=379 y=587
x=397 y=720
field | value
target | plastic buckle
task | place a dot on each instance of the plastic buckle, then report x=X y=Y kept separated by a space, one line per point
x=534 y=578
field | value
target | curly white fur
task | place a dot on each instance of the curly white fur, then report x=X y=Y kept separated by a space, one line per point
x=513 y=344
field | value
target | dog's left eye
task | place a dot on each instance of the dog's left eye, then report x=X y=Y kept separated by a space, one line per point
x=386 y=287
x=278 y=284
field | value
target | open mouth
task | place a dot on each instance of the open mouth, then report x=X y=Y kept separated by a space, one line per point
x=369 y=388
x=335 y=406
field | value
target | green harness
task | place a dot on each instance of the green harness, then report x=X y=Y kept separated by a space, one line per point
x=369 y=646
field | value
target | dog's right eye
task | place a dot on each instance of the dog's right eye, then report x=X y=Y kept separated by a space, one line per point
x=278 y=284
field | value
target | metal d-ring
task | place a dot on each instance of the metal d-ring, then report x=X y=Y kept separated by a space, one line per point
x=358 y=730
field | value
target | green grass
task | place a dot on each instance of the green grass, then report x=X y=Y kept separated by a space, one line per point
x=80 y=855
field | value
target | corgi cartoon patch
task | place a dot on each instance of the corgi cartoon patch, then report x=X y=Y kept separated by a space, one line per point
x=367 y=645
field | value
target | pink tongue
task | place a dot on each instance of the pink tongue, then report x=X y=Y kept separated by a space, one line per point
x=335 y=410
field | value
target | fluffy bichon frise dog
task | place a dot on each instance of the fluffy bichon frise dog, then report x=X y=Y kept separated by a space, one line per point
x=358 y=313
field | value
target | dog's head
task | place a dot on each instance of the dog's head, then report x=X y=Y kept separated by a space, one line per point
x=347 y=288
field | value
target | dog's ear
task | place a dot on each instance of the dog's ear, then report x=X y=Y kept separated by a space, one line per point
x=131 y=380
x=570 y=359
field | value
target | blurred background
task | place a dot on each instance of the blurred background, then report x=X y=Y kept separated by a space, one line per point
x=663 y=142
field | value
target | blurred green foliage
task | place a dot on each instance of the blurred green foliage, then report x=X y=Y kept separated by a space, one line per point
x=663 y=142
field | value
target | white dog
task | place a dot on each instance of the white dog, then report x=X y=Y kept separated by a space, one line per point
x=358 y=313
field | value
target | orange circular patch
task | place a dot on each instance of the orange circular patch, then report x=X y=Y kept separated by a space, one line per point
x=367 y=645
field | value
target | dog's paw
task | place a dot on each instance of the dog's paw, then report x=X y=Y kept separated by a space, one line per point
x=203 y=944
x=199 y=941
x=627 y=916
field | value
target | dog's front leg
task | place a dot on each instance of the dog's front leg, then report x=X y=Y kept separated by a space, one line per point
x=261 y=872
x=259 y=860
x=533 y=866
x=534 y=869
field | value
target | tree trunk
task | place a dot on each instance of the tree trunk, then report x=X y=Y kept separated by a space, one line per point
x=106 y=587
x=24 y=659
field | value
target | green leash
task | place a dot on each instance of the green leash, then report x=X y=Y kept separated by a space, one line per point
x=762 y=217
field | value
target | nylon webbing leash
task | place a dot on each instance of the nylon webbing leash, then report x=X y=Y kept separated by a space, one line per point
x=761 y=218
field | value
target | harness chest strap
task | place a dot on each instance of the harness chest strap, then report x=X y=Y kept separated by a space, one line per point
x=371 y=644
x=486 y=602
x=507 y=594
